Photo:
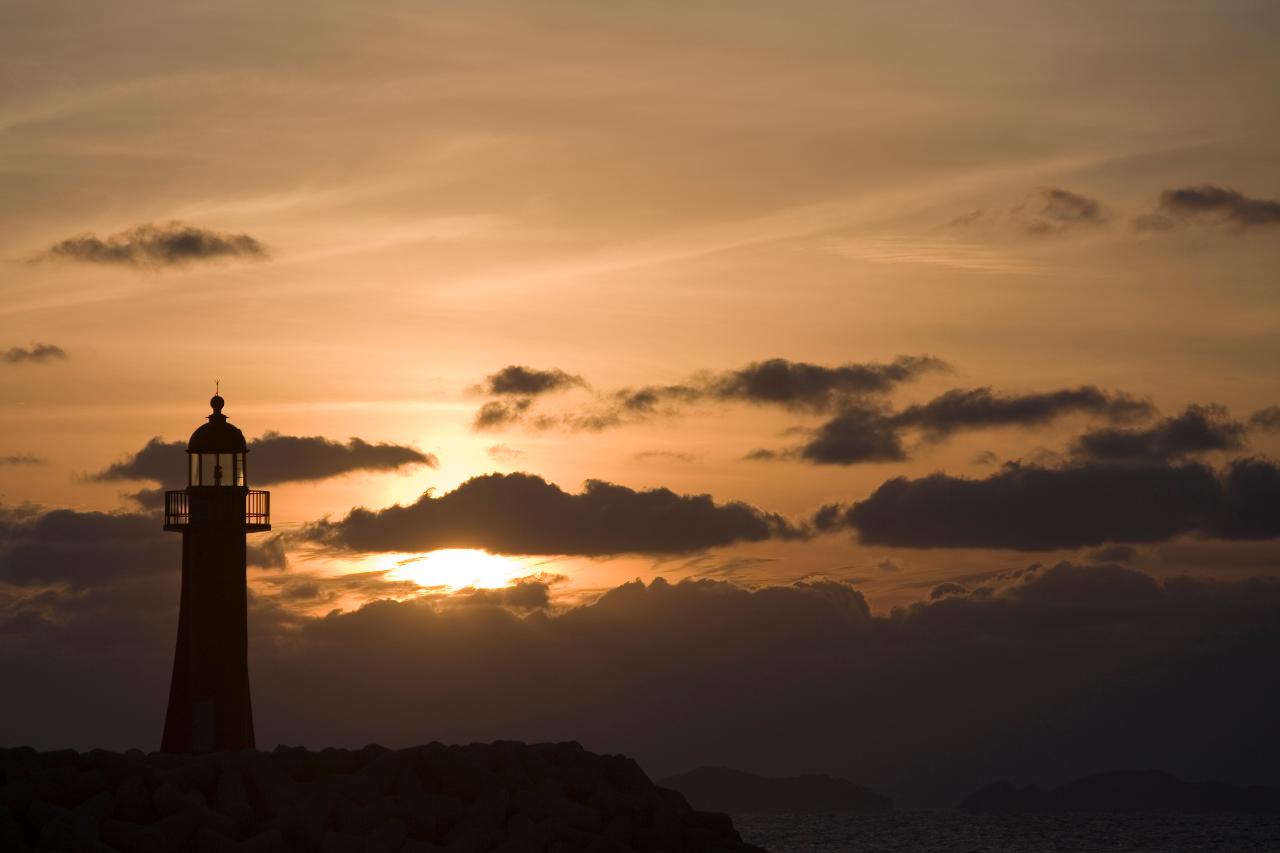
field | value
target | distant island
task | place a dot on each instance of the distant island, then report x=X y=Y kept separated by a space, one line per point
x=1124 y=791
x=723 y=789
x=486 y=796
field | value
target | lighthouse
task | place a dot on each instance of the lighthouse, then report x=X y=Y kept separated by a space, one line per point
x=209 y=707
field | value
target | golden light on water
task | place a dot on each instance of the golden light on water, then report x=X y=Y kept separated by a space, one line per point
x=460 y=568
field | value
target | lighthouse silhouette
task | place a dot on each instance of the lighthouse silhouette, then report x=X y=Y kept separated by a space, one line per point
x=209 y=706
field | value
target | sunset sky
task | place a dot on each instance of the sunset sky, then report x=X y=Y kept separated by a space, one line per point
x=945 y=329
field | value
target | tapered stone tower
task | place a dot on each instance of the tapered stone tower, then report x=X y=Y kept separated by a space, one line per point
x=209 y=707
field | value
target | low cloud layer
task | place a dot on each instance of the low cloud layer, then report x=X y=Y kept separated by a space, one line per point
x=81 y=549
x=524 y=514
x=692 y=673
x=273 y=458
x=1209 y=205
x=37 y=353
x=1031 y=508
x=172 y=245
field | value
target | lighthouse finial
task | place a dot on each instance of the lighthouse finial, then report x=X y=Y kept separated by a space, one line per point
x=216 y=403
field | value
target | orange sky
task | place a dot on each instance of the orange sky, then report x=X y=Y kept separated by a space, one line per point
x=631 y=195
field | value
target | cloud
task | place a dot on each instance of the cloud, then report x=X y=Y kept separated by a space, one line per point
x=792 y=385
x=516 y=387
x=82 y=549
x=814 y=387
x=517 y=380
x=1032 y=508
x=866 y=432
x=1056 y=210
x=171 y=245
x=266 y=553
x=311 y=591
x=670 y=455
x=1209 y=205
x=37 y=353
x=503 y=453
x=524 y=594
x=858 y=434
x=21 y=459
x=524 y=514
x=1113 y=554
x=274 y=458
x=1047 y=211
x=497 y=413
x=1199 y=429
x=1266 y=419
x=982 y=408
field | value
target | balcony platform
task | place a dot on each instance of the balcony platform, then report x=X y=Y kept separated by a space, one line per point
x=257 y=509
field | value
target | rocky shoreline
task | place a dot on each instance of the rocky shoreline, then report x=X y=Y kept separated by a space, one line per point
x=502 y=796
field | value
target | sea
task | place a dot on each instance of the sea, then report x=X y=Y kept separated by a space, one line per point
x=957 y=832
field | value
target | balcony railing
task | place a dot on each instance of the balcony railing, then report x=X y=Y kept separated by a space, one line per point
x=257 y=510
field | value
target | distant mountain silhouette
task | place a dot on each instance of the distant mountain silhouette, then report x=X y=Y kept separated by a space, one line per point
x=725 y=790
x=1124 y=791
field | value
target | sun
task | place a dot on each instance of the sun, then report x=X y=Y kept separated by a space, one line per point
x=459 y=568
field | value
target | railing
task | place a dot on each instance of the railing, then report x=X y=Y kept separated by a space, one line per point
x=177 y=510
x=257 y=510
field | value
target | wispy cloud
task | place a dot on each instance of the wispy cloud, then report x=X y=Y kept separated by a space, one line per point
x=932 y=251
x=171 y=245
x=37 y=353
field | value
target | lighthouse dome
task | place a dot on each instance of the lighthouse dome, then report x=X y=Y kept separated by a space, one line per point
x=218 y=435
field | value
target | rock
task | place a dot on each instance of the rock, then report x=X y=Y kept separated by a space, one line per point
x=271 y=841
x=231 y=798
x=415 y=846
x=391 y=833
x=478 y=798
x=341 y=842
x=133 y=802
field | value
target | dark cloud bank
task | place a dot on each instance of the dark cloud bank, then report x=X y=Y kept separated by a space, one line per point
x=273 y=458
x=37 y=353
x=1032 y=508
x=1040 y=674
x=172 y=245
x=524 y=514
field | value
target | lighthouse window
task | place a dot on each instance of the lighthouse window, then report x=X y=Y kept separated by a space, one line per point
x=217 y=469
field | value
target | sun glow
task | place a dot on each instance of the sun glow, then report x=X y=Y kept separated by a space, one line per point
x=459 y=568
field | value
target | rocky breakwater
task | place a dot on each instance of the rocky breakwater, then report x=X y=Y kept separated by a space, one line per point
x=483 y=797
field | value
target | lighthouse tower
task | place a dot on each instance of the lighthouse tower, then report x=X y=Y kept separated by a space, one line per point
x=209 y=708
